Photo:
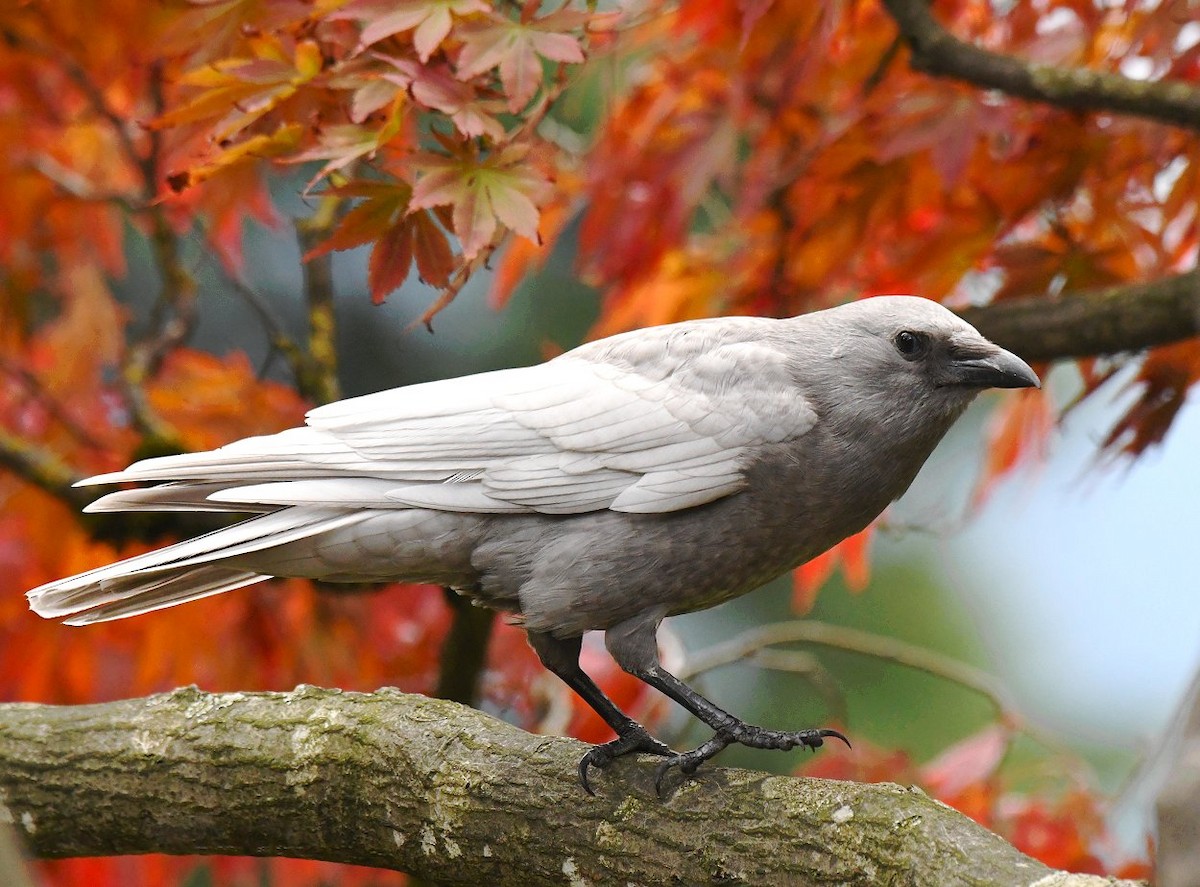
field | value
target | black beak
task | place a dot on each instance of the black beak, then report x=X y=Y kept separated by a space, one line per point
x=996 y=369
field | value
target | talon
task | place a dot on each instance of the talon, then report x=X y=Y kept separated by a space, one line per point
x=601 y=756
x=660 y=772
x=584 y=764
x=830 y=734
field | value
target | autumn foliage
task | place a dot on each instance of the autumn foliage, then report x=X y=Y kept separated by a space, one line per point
x=706 y=157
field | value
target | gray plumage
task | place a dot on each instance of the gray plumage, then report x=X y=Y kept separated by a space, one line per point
x=656 y=472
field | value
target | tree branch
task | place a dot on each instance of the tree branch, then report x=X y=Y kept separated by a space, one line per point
x=1087 y=324
x=174 y=314
x=13 y=870
x=317 y=379
x=41 y=468
x=757 y=646
x=937 y=52
x=442 y=791
x=463 y=656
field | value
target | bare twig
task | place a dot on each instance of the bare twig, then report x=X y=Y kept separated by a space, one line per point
x=751 y=644
x=450 y=292
x=936 y=51
x=298 y=360
x=809 y=631
x=815 y=674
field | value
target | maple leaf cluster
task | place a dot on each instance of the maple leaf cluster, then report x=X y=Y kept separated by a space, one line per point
x=425 y=112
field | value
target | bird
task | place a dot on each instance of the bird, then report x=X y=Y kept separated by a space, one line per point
x=652 y=473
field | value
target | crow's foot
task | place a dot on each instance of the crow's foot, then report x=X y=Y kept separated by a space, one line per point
x=636 y=739
x=743 y=734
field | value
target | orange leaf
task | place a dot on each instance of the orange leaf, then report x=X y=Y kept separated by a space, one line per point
x=851 y=553
x=435 y=259
x=1018 y=431
x=369 y=220
x=390 y=261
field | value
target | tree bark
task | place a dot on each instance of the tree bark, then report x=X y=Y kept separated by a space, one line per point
x=1129 y=317
x=432 y=788
x=937 y=52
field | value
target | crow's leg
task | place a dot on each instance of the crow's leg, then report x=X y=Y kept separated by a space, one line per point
x=562 y=658
x=634 y=645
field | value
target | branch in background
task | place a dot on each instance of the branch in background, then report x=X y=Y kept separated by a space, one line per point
x=754 y=646
x=174 y=313
x=78 y=75
x=171 y=323
x=1093 y=323
x=808 y=631
x=13 y=871
x=937 y=52
x=318 y=379
x=464 y=651
x=452 y=795
x=299 y=362
x=43 y=469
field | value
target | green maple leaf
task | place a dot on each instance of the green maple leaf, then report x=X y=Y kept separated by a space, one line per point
x=497 y=190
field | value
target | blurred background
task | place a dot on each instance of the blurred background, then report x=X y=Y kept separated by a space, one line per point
x=220 y=213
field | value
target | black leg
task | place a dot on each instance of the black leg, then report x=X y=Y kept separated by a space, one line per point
x=634 y=645
x=562 y=658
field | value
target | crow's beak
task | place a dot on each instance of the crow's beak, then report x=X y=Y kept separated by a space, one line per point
x=996 y=368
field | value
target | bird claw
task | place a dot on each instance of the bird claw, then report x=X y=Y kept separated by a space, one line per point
x=600 y=756
x=743 y=734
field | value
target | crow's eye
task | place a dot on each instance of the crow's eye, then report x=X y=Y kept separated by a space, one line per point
x=912 y=346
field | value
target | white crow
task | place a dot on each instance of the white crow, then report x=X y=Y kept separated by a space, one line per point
x=652 y=473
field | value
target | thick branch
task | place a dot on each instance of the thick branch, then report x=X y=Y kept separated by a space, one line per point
x=936 y=51
x=433 y=788
x=13 y=871
x=1087 y=324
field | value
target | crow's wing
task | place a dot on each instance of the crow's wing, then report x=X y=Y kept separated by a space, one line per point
x=656 y=421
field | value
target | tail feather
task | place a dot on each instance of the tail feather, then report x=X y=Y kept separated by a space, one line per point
x=171 y=497
x=183 y=571
x=176 y=587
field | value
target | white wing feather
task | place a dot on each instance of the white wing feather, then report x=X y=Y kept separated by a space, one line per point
x=651 y=423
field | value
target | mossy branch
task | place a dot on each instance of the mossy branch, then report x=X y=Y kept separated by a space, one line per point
x=430 y=787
